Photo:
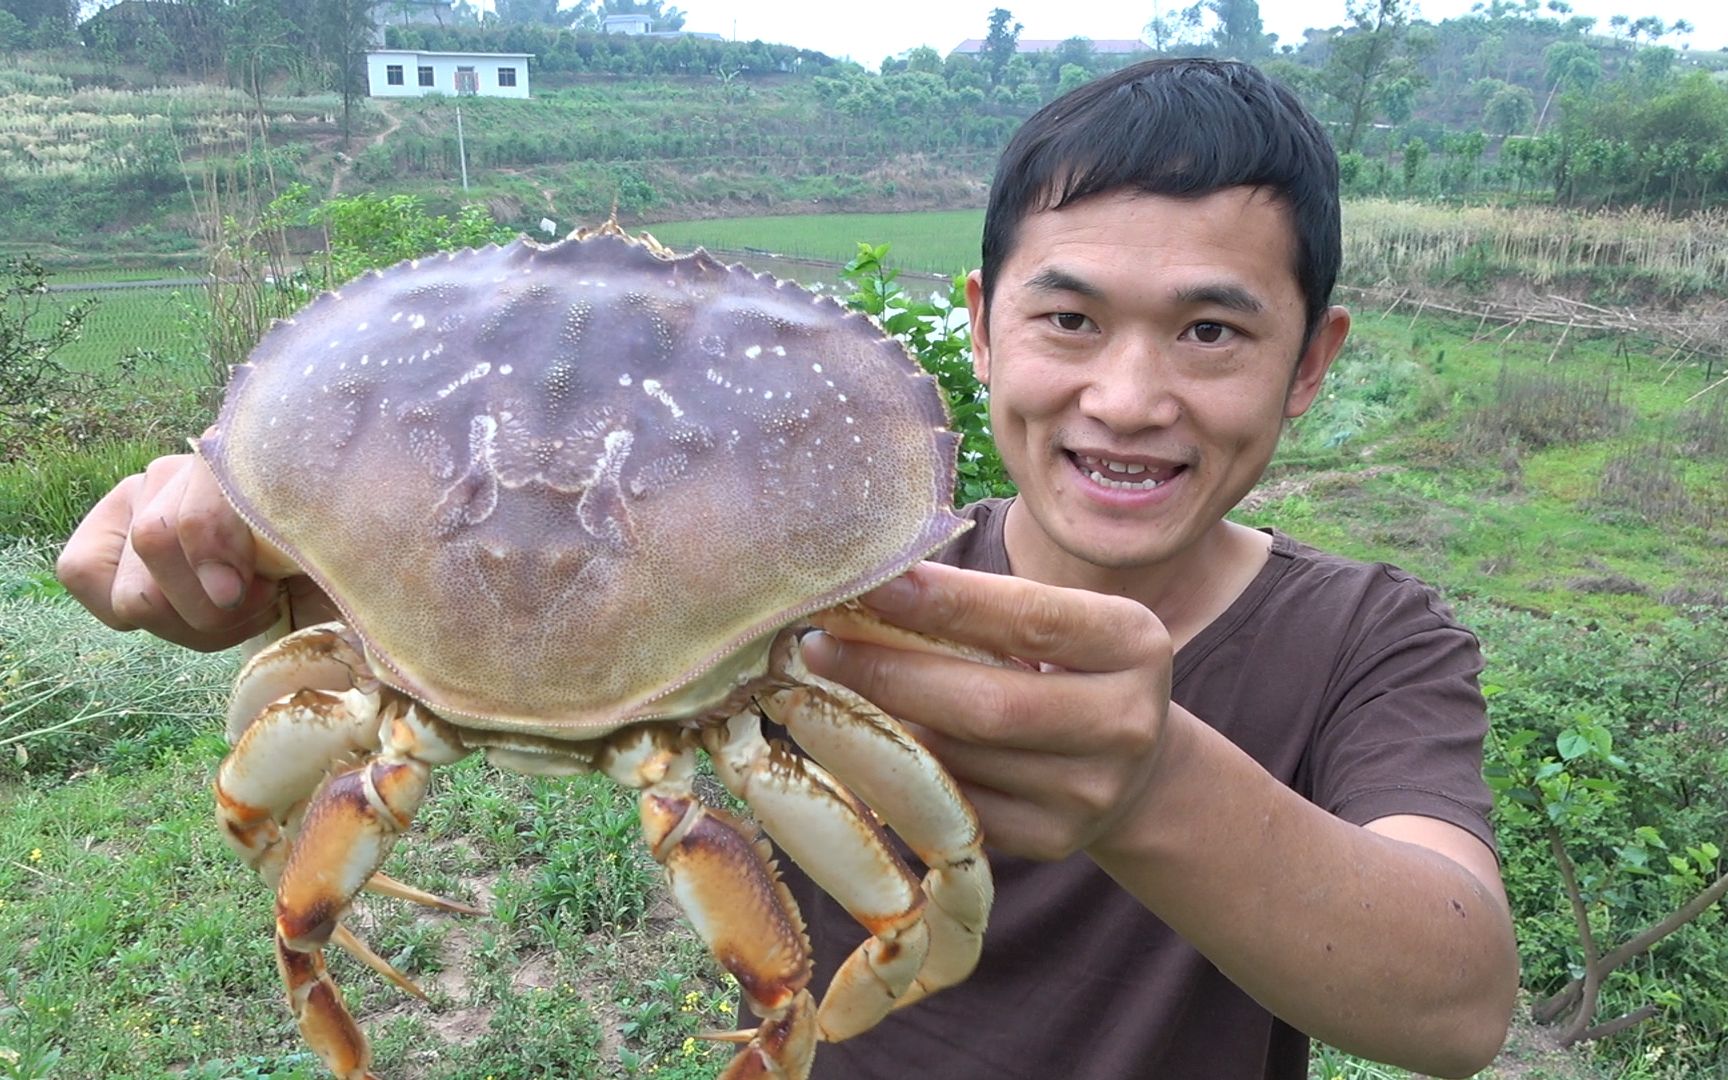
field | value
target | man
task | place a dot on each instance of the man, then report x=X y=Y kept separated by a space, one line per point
x=1239 y=804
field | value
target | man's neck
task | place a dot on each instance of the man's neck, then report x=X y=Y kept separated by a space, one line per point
x=1187 y=592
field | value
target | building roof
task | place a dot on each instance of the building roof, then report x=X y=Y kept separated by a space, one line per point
x=435 y=52
x=1108 y=46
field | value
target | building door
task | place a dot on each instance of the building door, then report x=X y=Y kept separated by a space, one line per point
x=467 y=80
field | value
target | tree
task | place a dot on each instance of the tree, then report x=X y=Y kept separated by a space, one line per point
x=1175 y=30
x=530 y=13
x=1077 y=51
x=1000 y=44
x=1570 y=65
x=1365 y=60
x=1239 y=34
x=344 y=33
x=924 y=60
x=43 y=18
x=1508 y=109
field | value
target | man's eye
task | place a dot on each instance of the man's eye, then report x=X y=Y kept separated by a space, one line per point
x=1070 y=320
x=1211 y=333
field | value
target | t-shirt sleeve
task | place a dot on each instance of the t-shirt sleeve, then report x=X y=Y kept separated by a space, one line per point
x=1405 y=730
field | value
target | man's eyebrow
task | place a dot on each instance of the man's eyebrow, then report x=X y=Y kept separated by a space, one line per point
x=1234 y=297
x=1055 y=279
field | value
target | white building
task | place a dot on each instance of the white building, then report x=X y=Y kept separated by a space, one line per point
x=410 y=73
x=627 y=24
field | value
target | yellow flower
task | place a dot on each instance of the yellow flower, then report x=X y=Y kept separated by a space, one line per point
x=36 y=854
x=689 y=1045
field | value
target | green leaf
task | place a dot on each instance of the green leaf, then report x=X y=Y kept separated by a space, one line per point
x=1572 y=744
x=1650 y=837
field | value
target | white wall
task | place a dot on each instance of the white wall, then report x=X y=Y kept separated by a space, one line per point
x=444 y=66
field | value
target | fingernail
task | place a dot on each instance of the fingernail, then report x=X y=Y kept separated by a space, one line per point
x=222 y=584
x=897 y=595
x=819 y=651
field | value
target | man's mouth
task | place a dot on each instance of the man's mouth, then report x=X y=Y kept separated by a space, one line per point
x=1123 y=475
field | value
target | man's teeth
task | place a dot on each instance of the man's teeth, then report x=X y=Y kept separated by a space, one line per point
x=1124 y=485
x=1097 y=468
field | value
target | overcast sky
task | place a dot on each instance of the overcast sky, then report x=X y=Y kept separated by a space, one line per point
x=874 y=29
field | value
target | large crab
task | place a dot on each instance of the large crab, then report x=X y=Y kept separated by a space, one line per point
x=575 y=502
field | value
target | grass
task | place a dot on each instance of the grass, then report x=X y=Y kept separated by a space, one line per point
x=138 y=946
x=939 y=242
x=1502 y=521
x=163 y=322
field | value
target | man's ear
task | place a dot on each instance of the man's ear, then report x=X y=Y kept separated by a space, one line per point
x=980 y=326
x=1322 y=348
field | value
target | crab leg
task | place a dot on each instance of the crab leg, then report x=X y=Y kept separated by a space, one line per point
x=302 y=706
x=897 y=777
x=348 y=829
x=729 y=888
x=836 y=840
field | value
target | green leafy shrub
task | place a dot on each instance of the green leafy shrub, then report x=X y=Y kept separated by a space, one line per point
x=936 y=332
x=1609 y=756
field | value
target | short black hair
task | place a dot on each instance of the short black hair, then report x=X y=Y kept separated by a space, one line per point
x=1177 y=127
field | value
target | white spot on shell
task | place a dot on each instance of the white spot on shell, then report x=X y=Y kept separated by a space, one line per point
x=625 y=380
x=817 y=368
x=308 y=370
x=753 y=351
x=651 y=387
x=505 y=369
x=417 y=321
x=479 y=370
x=779 y=350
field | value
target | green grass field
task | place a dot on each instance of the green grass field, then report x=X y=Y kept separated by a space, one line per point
x=936 y=242
x=164 y=323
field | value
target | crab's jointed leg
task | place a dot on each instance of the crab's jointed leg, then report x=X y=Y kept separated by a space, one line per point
x=896 y=776
x=835 y=839
x=726 y=883
x=348 y=829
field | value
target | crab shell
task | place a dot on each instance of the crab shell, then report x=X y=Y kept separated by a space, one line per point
x=558 y=489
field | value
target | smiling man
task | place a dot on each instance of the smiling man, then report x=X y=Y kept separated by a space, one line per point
x=1240 y=804
x=1236 y=802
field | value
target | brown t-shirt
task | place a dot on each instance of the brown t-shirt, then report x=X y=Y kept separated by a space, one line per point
x=1352 y=683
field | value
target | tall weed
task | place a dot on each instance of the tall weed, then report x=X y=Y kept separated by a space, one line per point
x=73 y=693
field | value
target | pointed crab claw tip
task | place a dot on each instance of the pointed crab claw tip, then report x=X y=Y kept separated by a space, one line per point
x=727 y=1036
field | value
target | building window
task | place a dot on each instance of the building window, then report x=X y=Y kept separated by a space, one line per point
x=426 y=76
x=507 y=76
x=393 y=74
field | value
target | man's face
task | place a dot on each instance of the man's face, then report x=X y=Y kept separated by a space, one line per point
x=1142 y=353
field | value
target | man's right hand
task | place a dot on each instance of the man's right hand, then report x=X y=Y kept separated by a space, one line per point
x=165 y=553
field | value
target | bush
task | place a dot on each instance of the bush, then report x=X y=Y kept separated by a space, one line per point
x=936 y=332
x=1609 y=753
x=1532 y=411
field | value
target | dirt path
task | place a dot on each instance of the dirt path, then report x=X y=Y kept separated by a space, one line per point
x=345 y=163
